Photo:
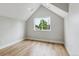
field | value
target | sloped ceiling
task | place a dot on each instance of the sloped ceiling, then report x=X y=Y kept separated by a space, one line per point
x=55 y=9
x=63 y=6
x=16 y=10
x=19 y=10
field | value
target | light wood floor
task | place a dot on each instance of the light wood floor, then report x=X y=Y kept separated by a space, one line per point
x=34 y=48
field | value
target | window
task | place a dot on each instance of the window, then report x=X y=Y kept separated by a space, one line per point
x=42 y=24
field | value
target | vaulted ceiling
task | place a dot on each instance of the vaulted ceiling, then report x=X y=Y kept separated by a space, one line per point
x=23 y=11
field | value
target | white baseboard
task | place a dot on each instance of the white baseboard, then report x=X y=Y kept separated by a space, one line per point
x=46 y=40
x=12 y=43
x=68 y=51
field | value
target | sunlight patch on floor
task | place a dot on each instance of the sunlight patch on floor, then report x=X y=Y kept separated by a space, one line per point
x=42 y=50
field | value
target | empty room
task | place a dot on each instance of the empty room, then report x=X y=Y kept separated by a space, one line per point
x=39 y=29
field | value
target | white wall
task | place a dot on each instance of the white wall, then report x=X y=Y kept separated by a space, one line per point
x=72 y=30
x=11 y=21
x=11 y=31
x=57 y=27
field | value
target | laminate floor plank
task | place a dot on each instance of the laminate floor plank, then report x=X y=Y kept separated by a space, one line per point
x=34 y=48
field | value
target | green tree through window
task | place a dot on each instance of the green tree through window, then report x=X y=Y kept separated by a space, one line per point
x=42 y=25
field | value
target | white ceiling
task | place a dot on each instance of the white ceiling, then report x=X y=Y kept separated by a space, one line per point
x=18 y=11
x=63 y=6
x=55 y=9
x=21 y=10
